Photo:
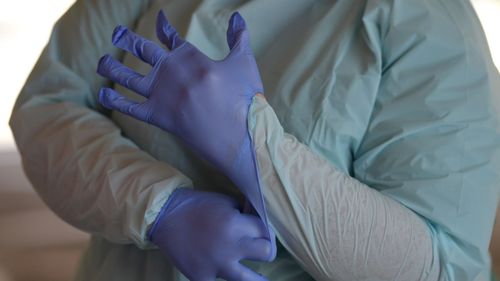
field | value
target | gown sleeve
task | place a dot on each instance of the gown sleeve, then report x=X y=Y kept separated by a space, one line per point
x=425 y=186
x=76 y=158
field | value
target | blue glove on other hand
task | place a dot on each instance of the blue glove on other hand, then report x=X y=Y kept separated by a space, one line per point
x=202 y=101
x=205 y=236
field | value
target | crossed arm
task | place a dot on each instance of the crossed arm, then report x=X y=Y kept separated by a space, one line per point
x=44 y=108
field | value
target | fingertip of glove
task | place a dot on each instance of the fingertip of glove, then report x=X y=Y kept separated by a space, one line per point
x=118 y=34
x=102 y=63
x=235 y=30
x=272 y=254
x=274 y=248
x=163 y=28
x=102 y=97
x=237 y=22
x=161 y=18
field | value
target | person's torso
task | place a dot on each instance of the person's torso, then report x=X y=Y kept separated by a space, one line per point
x=319 y=72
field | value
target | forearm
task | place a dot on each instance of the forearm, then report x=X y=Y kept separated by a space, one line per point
x=336 y=227
x=75 y=157
x=89 y=174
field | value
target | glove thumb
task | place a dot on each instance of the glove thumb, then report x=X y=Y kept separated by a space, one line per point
x=167 y=33
x=237 y=34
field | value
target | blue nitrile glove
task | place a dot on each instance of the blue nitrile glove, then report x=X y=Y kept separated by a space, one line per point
x=202 y=101
x=205 y=236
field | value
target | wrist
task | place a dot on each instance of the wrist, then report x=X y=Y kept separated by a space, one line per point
x=178 y=195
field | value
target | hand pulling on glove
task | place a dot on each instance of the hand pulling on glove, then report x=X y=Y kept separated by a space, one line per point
x=205 y=103
x=202 y=101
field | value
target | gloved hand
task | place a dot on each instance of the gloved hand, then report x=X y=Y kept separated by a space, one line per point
x=205 y=236
x=204 y=102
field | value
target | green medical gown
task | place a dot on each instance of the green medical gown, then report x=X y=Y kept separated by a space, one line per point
x=400 y=95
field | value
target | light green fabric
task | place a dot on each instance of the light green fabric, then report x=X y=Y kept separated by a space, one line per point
x=336 y=227
x=411 y=107
x=397 y=94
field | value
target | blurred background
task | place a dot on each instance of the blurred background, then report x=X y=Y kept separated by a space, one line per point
x=35 y=245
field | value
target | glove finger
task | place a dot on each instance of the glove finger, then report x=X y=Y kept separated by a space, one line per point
x=237 y=34
x=239 y=272
x=117 y=72
x=257 y=249
x=167 y=33
x=252 y=226
x=272 y=240
x=146 y=50
x=110 y=99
